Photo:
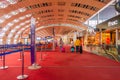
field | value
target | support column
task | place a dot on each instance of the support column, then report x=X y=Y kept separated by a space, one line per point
x=97 y=18
x=117 y=37
x=86 y=37
x=33 y=46
x=101 y=37
x=53 y=39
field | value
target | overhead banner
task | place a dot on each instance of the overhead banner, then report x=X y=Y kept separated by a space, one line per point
x=33 y=40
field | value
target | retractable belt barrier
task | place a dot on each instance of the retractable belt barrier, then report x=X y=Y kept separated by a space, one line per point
x=8 y=49
x=13 y=51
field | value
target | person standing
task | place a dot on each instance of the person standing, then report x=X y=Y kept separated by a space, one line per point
x=80 y=48
x=61 y=44
x=77 y=44
x=72 y=46
x=72 y=42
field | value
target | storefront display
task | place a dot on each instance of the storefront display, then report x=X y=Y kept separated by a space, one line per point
x=106 y=38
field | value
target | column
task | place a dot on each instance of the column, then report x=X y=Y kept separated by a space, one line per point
x=116 y=37
x=97 y=18
x=101 y=37
x=53 y=39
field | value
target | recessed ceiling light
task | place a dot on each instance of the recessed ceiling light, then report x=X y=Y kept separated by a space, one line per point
x=22 y=24
x=17 y=27
x=10 y=24
x=16 y=20
x=28 y=15
x=13 y=31
x=38 y=18
x=22 y=9
x=15 y=12
x=12 y=1
x=7 y=16
x=2 y=20
x=27 y=21
x=21 y=18
x=3 y=4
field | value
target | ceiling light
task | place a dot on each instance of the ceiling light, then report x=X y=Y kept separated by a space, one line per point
x=12 y=1
x=5 y=29
x=22 y=29
x=38 y=18
x=14 y=12
x=16 y=20
x=15 y=40
x=17 y=26
x=10 y=24
x=22 y=9
x=3 y=4
x=19 y=32
x=2 y=34
x=9 y=36
x=21 y=18
x=22 y=24
x=7 y=16
x=27 y=26
x=13 y=31
x=27 y=21
x=2 y=20
x=1 y=40
x=28 y=15
x=16 y=36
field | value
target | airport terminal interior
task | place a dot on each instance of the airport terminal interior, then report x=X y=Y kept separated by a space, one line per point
x=59 y=39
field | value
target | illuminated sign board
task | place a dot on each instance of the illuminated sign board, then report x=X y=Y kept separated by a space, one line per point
x=110 y=24
x=113 y=23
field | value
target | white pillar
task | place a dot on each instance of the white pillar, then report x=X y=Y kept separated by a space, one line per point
x=98 y=18
x=101 y=37
x=53 y=38
x=117 y=36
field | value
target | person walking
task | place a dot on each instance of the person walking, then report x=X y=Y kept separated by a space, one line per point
x=72 y=46
x=80 y=48
x=77 y=44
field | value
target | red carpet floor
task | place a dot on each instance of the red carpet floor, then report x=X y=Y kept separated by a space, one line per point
x=63 y=66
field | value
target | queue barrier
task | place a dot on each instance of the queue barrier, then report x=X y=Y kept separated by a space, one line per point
x=13 y=51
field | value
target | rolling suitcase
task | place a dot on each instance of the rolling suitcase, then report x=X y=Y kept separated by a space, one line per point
x=72 y=49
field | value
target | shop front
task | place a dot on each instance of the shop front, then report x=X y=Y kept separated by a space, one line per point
x=109 y=32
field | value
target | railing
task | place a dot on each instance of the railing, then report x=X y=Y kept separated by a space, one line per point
x=109 y=51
